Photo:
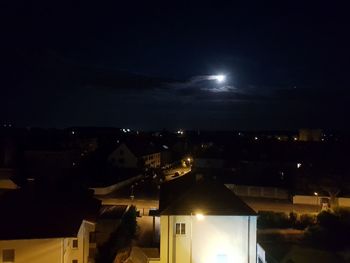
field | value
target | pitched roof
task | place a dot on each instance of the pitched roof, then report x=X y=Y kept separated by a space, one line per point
x=34 y=214
x=140 y=149
x=209 y=198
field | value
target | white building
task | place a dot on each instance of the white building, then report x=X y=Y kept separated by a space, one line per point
x=208 y=224
x=133 y=156
x=43 y=230
x=69 y=248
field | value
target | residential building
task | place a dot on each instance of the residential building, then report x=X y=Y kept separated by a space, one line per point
x=135 y=155
x=38 y=226
x=207 y=223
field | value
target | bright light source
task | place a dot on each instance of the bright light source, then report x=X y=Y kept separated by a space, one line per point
x=295 y=138
x=189 y=159
x=298 y=165
x=200 y=216
x=256 y=138
x=220 y=78
x=315 y=193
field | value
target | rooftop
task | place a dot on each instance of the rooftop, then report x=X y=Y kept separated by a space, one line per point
x=31 y=213
x=209 y=198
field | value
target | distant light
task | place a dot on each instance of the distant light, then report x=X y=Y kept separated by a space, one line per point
x=295 y=138
x=220 y=78
x=128 y=130
x=73 y=132
x=180 y=132
x=315 y=193
x=165 y=147
x=298 y=165
x=189 y=159
x=200 y=216
x=256 y=138
x=279 y=138
x=73 y=163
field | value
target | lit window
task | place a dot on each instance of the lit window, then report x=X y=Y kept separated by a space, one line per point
x=180 y=228
x=8 y=255
x=75 y=243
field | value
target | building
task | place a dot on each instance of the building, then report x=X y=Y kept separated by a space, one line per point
x=203 y=227
x=207 y=223
x=135 y=155
x=36 y=226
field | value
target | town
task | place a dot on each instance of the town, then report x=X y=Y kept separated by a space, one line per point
x=175 y=132
x=88 y=194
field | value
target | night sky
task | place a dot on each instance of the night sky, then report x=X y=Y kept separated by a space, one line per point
x=146 y=66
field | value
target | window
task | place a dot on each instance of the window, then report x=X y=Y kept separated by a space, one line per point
x=180 y=228
x=75 y=243
x=8 y=255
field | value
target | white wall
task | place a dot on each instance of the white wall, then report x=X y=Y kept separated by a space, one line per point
x=35 y=250
x=344 y=202
x=258 y=191
x=213 y=239
x=111 y=188
x=51 y=250
x=307 y=199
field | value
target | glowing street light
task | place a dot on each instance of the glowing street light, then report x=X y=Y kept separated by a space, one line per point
x=200 y=216
x=316 y=194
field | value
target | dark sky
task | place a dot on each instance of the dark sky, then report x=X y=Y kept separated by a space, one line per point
x=147 y=65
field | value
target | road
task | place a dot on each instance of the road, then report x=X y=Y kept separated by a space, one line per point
x=180 y=170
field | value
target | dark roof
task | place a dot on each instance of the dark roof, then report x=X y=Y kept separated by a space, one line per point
x=210 y=198
x=29 y=213
x=140 y=149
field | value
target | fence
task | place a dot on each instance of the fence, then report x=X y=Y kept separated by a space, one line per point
x=109 y=189
x=258 y=191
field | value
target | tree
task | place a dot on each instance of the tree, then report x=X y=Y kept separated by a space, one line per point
x=331 y=185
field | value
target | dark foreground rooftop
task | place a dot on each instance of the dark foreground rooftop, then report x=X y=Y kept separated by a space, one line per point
x=207 y=197
x=31 y=213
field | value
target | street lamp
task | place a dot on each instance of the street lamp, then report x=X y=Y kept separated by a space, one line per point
x=316 y=194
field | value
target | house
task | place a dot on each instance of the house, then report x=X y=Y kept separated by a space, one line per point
x=134 y=155
x=45 y=226
x=207 y=223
